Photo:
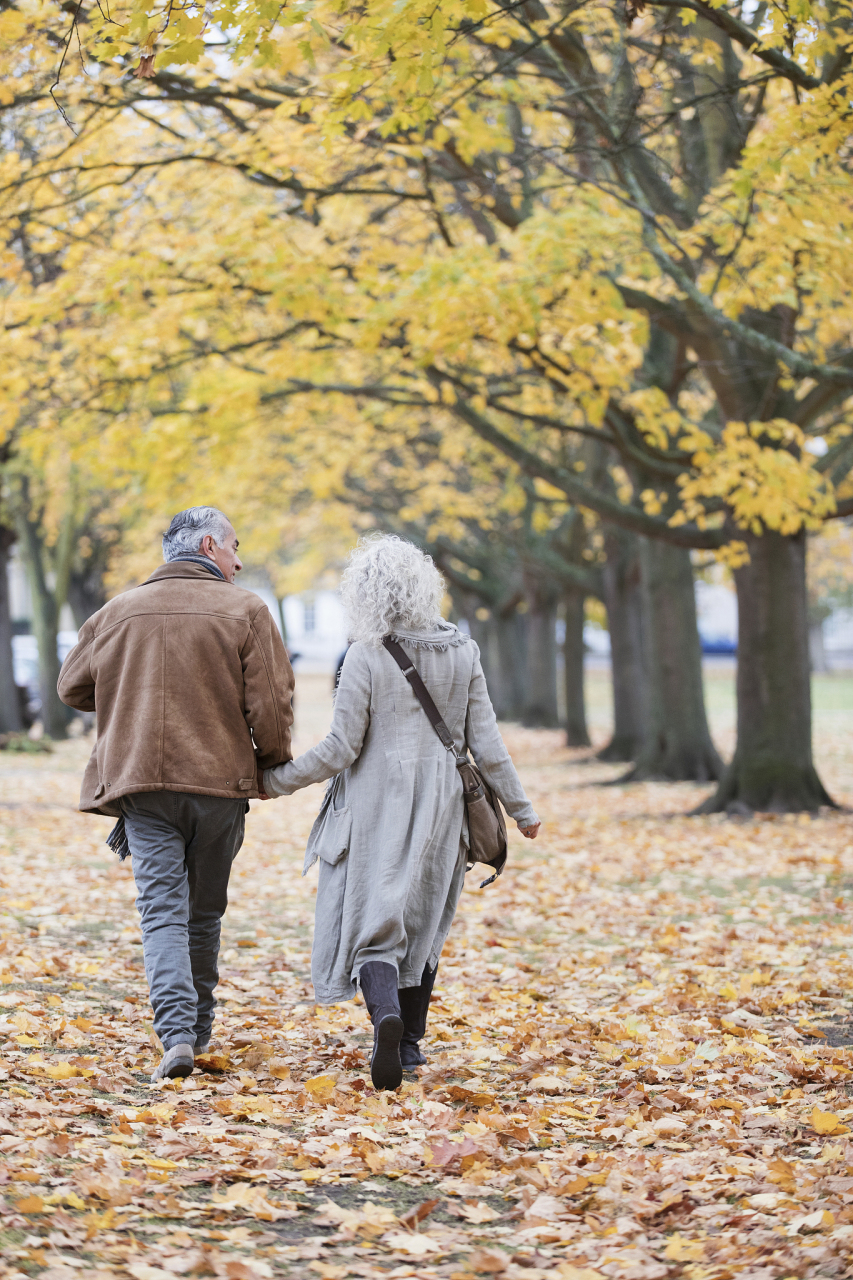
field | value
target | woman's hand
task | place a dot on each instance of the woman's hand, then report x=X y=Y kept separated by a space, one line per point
x=530 y=833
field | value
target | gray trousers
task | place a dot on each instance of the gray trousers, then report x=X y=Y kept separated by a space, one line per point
x=182 y=846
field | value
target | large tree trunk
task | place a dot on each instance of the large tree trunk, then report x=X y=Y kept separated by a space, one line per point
x=54 y=715
x=678 y=746
x=10 y=703
x=623 y=601
x=483 y=632
x=540 y=676
x=577 y=734
x=47 y=602
x=772 y=768
x=509 y=633
x=502 y=640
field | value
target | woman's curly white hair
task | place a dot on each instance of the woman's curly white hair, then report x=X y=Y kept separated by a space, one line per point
x=388 y=584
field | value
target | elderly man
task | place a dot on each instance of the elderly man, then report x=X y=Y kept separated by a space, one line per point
x=192 y=688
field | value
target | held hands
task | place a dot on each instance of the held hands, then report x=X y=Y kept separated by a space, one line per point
x=262 y=795
x=530 y=833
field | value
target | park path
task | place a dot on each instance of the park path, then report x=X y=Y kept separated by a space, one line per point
x=638 y=1063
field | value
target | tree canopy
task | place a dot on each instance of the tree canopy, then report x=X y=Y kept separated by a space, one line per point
x=608 y=242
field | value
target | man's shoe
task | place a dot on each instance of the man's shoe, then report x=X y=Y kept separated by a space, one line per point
x=414 y=1007
x=177 y=1061
x=378 y=982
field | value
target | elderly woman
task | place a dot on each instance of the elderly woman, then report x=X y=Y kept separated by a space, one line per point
x=390 y=835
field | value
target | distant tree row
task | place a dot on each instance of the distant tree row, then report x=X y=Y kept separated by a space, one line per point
x=555 y=289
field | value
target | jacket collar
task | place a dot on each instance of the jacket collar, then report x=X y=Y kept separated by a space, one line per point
x=182 y=569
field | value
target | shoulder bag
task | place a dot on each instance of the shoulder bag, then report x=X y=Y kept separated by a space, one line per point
x=487 y=842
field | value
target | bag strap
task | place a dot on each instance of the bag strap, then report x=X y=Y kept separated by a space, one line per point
x=422 y=694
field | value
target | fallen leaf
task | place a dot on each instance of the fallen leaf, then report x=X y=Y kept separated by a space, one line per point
x=320 y=1087
x=488 y=1262
x=142 y=1271
x=418 y=1213
x=411 y=1244
x=215 y=1062
x=827 y=1122
x=30 y=1204
x=477 y=1213
x=668 y=1126
x=679 y=1249
x=473 y=1097
x=249 y=1199
x=566 y=1271
x=369 y=1219
x=547 y=1084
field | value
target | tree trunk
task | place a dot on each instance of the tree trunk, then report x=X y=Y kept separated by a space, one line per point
x=10 y=703
x=540 y=676
x=509 y=630
x=483 y=633
x=577 y=734
x=772 y=768
x=54 y=715
x=623 y=601
x=678 y=745
x=47 y=603
x=502 y=640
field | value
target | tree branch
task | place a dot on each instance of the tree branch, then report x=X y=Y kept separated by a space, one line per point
x=746 y=38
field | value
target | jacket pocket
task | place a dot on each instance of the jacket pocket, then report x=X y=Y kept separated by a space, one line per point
x=330 y=836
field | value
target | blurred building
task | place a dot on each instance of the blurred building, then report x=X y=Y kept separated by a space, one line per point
x=315 y=626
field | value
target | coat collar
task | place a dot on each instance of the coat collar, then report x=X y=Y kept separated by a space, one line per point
x=443 y=636
x=182 y=569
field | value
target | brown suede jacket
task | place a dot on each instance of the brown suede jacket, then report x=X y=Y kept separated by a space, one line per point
x=183 y=672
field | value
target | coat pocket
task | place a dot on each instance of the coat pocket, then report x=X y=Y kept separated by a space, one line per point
x=330 y=836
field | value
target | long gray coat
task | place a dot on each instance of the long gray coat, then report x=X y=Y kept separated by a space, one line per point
x=390 y=834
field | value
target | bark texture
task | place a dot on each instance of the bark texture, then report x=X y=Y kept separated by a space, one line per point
x=577 y=733
x=10 y=702
x=623 y=601
x=772 y=769
x=47 y=603
x=539 y=673
x=502 y=640
x=678 y=744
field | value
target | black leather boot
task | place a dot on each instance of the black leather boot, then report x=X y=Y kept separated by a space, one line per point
x=414 y=1007
x=378 y=982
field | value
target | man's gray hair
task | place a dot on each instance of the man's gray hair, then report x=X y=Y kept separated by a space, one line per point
x=183 y=536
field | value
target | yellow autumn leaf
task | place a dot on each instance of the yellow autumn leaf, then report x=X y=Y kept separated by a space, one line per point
x=68 y=1198
x=249 y=1199
x=680 y=1249
x=156 y=1162
x=825 y=1122
x=64 y=1071
x=320 y=1087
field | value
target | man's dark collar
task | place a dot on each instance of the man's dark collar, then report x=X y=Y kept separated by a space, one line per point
x=182 y=567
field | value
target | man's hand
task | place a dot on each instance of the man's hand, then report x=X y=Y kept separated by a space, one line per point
x=262 y=795
x=530 y=833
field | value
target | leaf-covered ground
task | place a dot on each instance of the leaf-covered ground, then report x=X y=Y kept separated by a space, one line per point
x=638 y=1054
